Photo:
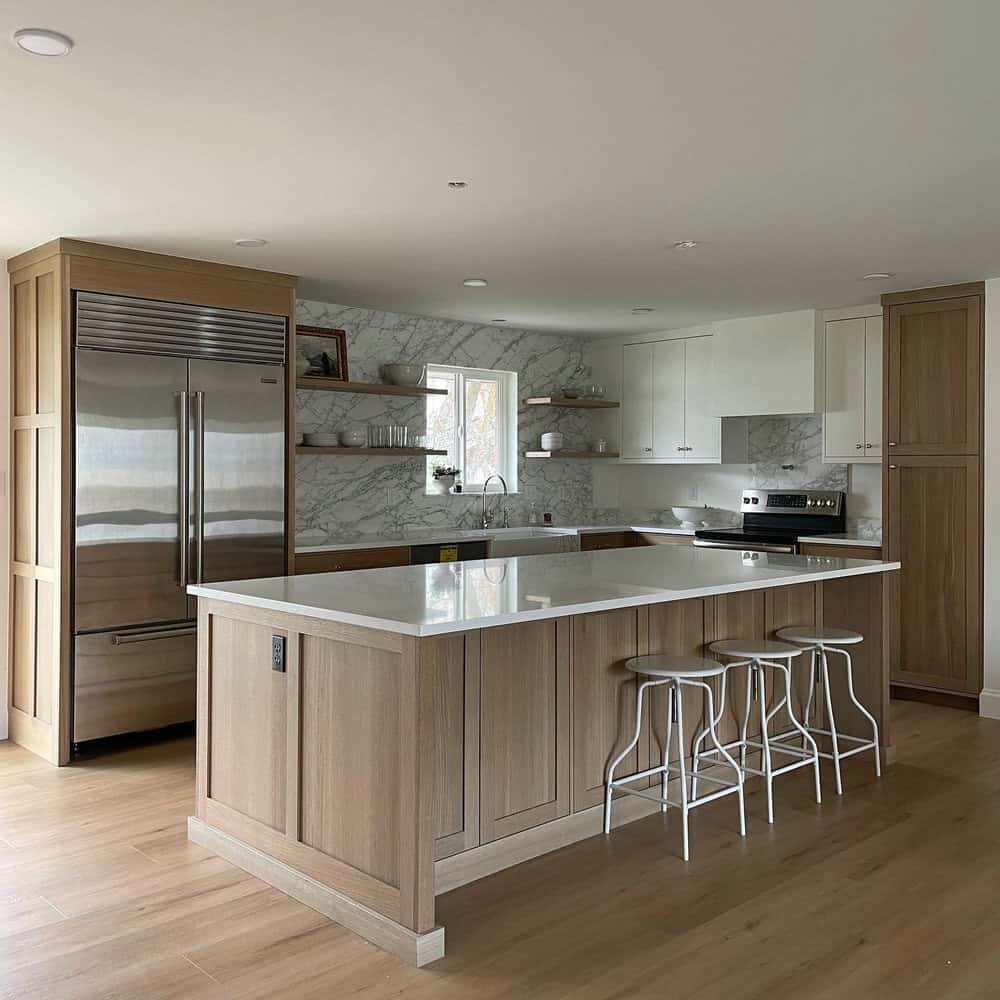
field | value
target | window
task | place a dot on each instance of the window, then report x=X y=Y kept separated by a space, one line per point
x=476 y=423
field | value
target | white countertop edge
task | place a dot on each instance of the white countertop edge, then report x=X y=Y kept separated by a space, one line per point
x=535 y=614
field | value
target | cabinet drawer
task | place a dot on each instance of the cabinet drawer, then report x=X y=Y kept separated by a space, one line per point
x=842 y=551
x=335 y=562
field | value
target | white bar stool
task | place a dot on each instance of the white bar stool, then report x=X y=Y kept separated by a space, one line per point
x=756 y=655
x=676 y=672
x=818 y=642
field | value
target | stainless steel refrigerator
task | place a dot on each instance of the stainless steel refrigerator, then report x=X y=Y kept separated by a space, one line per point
x=179 y=478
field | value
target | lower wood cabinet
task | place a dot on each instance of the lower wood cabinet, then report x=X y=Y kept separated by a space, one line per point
x=934 y=528
x=873 y=551
x=348 y=559
x=525 y=726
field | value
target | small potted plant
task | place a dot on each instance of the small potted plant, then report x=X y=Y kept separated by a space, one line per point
x=444 y=478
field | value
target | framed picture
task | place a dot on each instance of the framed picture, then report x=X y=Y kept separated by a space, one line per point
x=321 y=352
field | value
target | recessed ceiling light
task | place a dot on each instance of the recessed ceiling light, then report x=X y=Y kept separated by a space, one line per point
x=475 y=282
x=877 y=276
x=458 y=185
x=643 y=309
x=250 y=241
x=685 y=244
x=42 y=42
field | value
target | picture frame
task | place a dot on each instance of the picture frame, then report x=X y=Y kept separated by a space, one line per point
x=317 y=357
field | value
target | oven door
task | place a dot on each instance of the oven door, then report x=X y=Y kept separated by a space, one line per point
x=708 y=543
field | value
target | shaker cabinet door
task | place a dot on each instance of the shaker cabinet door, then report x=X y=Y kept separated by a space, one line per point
x=844 y=417
x=873 y=387
x=935 y=377
x=668 y=400
x=637 y=401
x=702 y=430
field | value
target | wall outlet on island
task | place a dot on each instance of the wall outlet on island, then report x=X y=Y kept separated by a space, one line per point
x=693 y=492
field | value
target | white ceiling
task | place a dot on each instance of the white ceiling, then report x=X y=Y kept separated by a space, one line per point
x=804 y=142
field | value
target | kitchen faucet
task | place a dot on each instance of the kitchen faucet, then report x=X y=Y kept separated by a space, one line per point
x=488 y=519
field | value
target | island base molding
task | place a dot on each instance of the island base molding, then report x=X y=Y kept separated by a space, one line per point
x=417 y=949
x=372 y=771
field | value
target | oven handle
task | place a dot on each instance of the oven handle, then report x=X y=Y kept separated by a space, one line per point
x=707 y=543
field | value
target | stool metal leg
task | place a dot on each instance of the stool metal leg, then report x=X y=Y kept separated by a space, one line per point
x=609 y=788
x=861 y=708
x=744 y=726
x=787 y=672
x=713 y=722
x=679 y=708
x=761 y=697
x=669 y=729
x=833 y=725
x=723 y=752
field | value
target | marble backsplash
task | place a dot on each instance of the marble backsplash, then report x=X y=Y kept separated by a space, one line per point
x=340 y=496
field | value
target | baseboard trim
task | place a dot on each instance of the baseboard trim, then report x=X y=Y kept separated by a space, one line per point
x=989 y=703
x=478 y=862
x=417 y=949
x=930 y=696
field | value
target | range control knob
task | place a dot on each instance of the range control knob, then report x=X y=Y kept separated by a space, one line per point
x=830 y=503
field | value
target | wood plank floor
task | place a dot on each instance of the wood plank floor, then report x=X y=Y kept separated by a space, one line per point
x=891 y=891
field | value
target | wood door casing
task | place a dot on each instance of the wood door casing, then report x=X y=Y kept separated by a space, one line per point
x=603 y=700
x=525 y=726
x=934 y=373
x=935 y=530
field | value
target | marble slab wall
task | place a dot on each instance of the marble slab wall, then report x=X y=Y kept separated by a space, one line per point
x=340 y=496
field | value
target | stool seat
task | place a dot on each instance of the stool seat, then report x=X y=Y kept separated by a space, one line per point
x=811 y=635
x=675 y=666
x=753 y=649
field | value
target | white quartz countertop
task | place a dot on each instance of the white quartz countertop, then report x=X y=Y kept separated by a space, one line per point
x=450 y=597
x=442 y=536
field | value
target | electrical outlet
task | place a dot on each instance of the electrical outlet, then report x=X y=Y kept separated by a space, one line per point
x=693 y=492
x=278 y=653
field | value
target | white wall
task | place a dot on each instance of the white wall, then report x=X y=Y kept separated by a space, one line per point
x=989 y=700
x=4 y=506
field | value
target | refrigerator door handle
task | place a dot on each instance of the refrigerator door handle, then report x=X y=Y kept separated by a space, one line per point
x=199 y=485
x=123 y=638
x=183 y=488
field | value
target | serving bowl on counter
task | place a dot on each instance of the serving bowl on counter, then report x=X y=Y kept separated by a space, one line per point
x=690 y=517
x=408 y=375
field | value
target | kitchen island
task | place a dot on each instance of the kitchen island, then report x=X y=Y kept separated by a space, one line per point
x=368 y=739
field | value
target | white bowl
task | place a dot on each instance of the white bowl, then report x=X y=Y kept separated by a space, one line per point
x=321 y=439
x=690 y=517
x=353 y=439
x=552 y=441
x=410 y=375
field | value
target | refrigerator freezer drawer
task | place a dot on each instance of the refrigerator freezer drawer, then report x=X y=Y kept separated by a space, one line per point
x=133 y=680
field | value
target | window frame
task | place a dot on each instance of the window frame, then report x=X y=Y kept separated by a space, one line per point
x=506 y=382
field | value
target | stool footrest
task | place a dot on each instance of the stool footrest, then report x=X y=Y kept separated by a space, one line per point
x=814 y=731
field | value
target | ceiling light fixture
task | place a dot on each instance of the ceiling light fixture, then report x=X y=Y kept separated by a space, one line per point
x=250 y=241
x=643 y=309
x=877 y=276
x=458 y=185
x=475 y=282
x=42 y=42
x=685 y=244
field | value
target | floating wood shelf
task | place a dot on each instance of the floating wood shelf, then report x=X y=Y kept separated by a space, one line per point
x=305 y=449
x=584 y=404
x=571 y=454
x=372 y=388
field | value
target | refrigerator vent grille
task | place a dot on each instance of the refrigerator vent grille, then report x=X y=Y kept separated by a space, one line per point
x=144 y=326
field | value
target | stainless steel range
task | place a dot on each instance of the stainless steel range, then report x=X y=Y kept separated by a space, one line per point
x=773 y=520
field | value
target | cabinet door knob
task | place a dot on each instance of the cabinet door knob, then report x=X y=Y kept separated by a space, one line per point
x=868 y=444
x=892 y=444
x=892 y=466
x=680 y=447
x=647 y=449
x=858 y=447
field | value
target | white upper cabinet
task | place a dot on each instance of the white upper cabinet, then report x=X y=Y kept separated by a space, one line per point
x=668 y=400
x=852 y=411
x=767 y=364
x=637 y=401
x=666 y=412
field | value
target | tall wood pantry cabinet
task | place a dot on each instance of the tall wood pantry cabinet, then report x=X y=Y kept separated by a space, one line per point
x=933 y=485
x=43 y=283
